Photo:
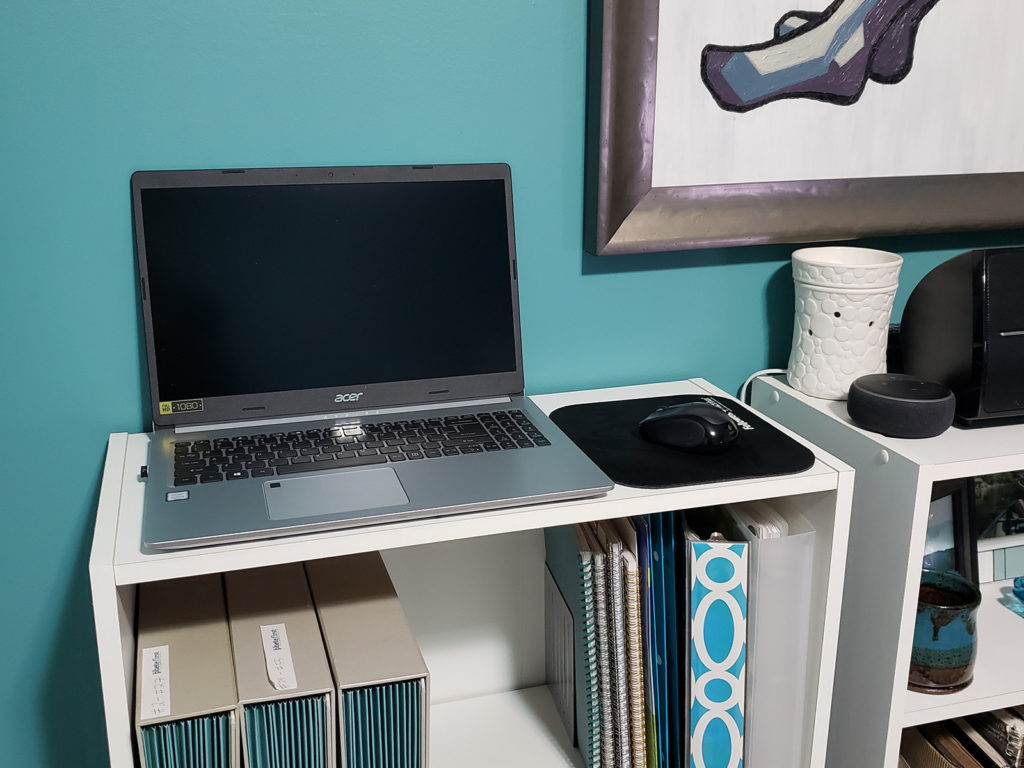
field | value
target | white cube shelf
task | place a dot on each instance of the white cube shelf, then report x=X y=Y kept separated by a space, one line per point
x=471 y=585
x=892 y=493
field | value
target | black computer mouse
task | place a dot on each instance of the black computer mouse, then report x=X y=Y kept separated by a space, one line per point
x=696 y=427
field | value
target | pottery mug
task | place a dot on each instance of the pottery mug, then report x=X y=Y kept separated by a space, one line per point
x=945 y=634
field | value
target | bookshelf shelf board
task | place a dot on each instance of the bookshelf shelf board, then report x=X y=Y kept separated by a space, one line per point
x=133 y=564
x=955 y=453
x=503 y=730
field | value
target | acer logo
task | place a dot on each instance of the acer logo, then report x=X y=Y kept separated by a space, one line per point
x=348 y=397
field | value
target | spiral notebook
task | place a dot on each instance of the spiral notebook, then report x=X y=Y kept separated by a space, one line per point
x=605 y=664
x=571 y=644
x=631 y=575
x=618 y=686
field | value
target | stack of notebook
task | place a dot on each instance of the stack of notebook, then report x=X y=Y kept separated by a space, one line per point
x=652 y=652
x=986 y=740
x=594 y=570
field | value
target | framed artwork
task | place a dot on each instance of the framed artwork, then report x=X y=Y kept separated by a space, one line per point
x=951 y=541
x=736 y=122
x=999 y=507
x=999 y=520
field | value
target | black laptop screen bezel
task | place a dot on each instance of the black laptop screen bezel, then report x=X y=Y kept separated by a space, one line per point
x=357 y=396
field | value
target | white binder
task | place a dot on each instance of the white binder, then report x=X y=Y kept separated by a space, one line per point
x=781 y=559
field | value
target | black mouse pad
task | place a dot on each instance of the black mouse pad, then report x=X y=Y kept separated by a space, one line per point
x=608 y=434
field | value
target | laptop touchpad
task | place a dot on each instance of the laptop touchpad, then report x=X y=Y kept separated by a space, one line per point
x=334 y=494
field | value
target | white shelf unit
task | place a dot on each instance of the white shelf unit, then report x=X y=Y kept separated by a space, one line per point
x=472 y=587
x=892 y=494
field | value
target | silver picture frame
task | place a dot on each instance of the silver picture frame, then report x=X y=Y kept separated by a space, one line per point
x=625 y=214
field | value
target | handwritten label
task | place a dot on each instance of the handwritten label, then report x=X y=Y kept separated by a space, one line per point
x=156 y=682
x=280 y=668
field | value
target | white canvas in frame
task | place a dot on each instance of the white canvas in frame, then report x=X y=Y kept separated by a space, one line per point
x=957 y=110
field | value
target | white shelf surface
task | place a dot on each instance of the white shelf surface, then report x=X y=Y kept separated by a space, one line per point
x=998 y=672
x=132 y=564
x=955 y=453
x=516 y=729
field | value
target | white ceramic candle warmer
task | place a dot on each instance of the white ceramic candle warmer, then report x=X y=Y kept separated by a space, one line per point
x=844 y=298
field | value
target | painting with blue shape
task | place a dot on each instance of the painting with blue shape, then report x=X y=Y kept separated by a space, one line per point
x=827 y=56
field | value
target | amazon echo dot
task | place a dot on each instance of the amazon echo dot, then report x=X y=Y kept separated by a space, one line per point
x=898 y=405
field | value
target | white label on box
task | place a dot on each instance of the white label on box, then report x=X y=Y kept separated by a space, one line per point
x=156 y=682
x=280 y=668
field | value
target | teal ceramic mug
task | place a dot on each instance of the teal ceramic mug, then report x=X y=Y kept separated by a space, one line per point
x=945 y=634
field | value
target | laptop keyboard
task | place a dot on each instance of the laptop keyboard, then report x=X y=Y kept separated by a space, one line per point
x=280 y=453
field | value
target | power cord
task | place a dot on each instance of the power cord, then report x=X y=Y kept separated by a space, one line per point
x=749 y=381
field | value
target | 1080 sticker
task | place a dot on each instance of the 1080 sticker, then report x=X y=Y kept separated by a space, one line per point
x=168 y=407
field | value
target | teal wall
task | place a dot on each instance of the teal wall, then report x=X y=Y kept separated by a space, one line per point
x=90 y=92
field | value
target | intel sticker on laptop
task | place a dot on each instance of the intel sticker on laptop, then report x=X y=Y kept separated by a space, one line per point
x=176 y=496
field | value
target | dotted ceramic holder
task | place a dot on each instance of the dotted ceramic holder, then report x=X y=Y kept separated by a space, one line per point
x=844 y=299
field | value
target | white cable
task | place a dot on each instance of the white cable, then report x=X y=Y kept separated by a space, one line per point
x=747 y=383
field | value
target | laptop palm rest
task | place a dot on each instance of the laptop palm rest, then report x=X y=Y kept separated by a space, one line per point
x=333 y=494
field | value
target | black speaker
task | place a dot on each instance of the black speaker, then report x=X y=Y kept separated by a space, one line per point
x=963 y=326
x=898 y=405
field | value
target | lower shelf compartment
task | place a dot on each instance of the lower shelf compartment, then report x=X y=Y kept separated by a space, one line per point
x=503 y=730
x=998 y=671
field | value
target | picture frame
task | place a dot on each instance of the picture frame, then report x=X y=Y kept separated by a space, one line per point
x=626 y=214
x=951 y=541
x=999 y=506
x=998 y=513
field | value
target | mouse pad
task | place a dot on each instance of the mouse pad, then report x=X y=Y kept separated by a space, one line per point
x=608 y=434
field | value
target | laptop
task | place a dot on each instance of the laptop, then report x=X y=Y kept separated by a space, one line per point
x=336 y=347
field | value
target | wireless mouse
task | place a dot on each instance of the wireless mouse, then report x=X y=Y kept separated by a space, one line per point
x=695 y=427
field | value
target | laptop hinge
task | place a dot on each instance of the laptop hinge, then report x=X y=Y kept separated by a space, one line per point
x=186 y=428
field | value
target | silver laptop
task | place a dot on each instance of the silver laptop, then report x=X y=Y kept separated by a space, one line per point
x=336 y=347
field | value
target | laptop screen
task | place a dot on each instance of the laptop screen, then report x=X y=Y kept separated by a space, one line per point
x=289 y=291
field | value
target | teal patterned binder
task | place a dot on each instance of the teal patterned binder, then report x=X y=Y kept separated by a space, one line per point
x=198 y=742
x=718 y=652
x=287 y=733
